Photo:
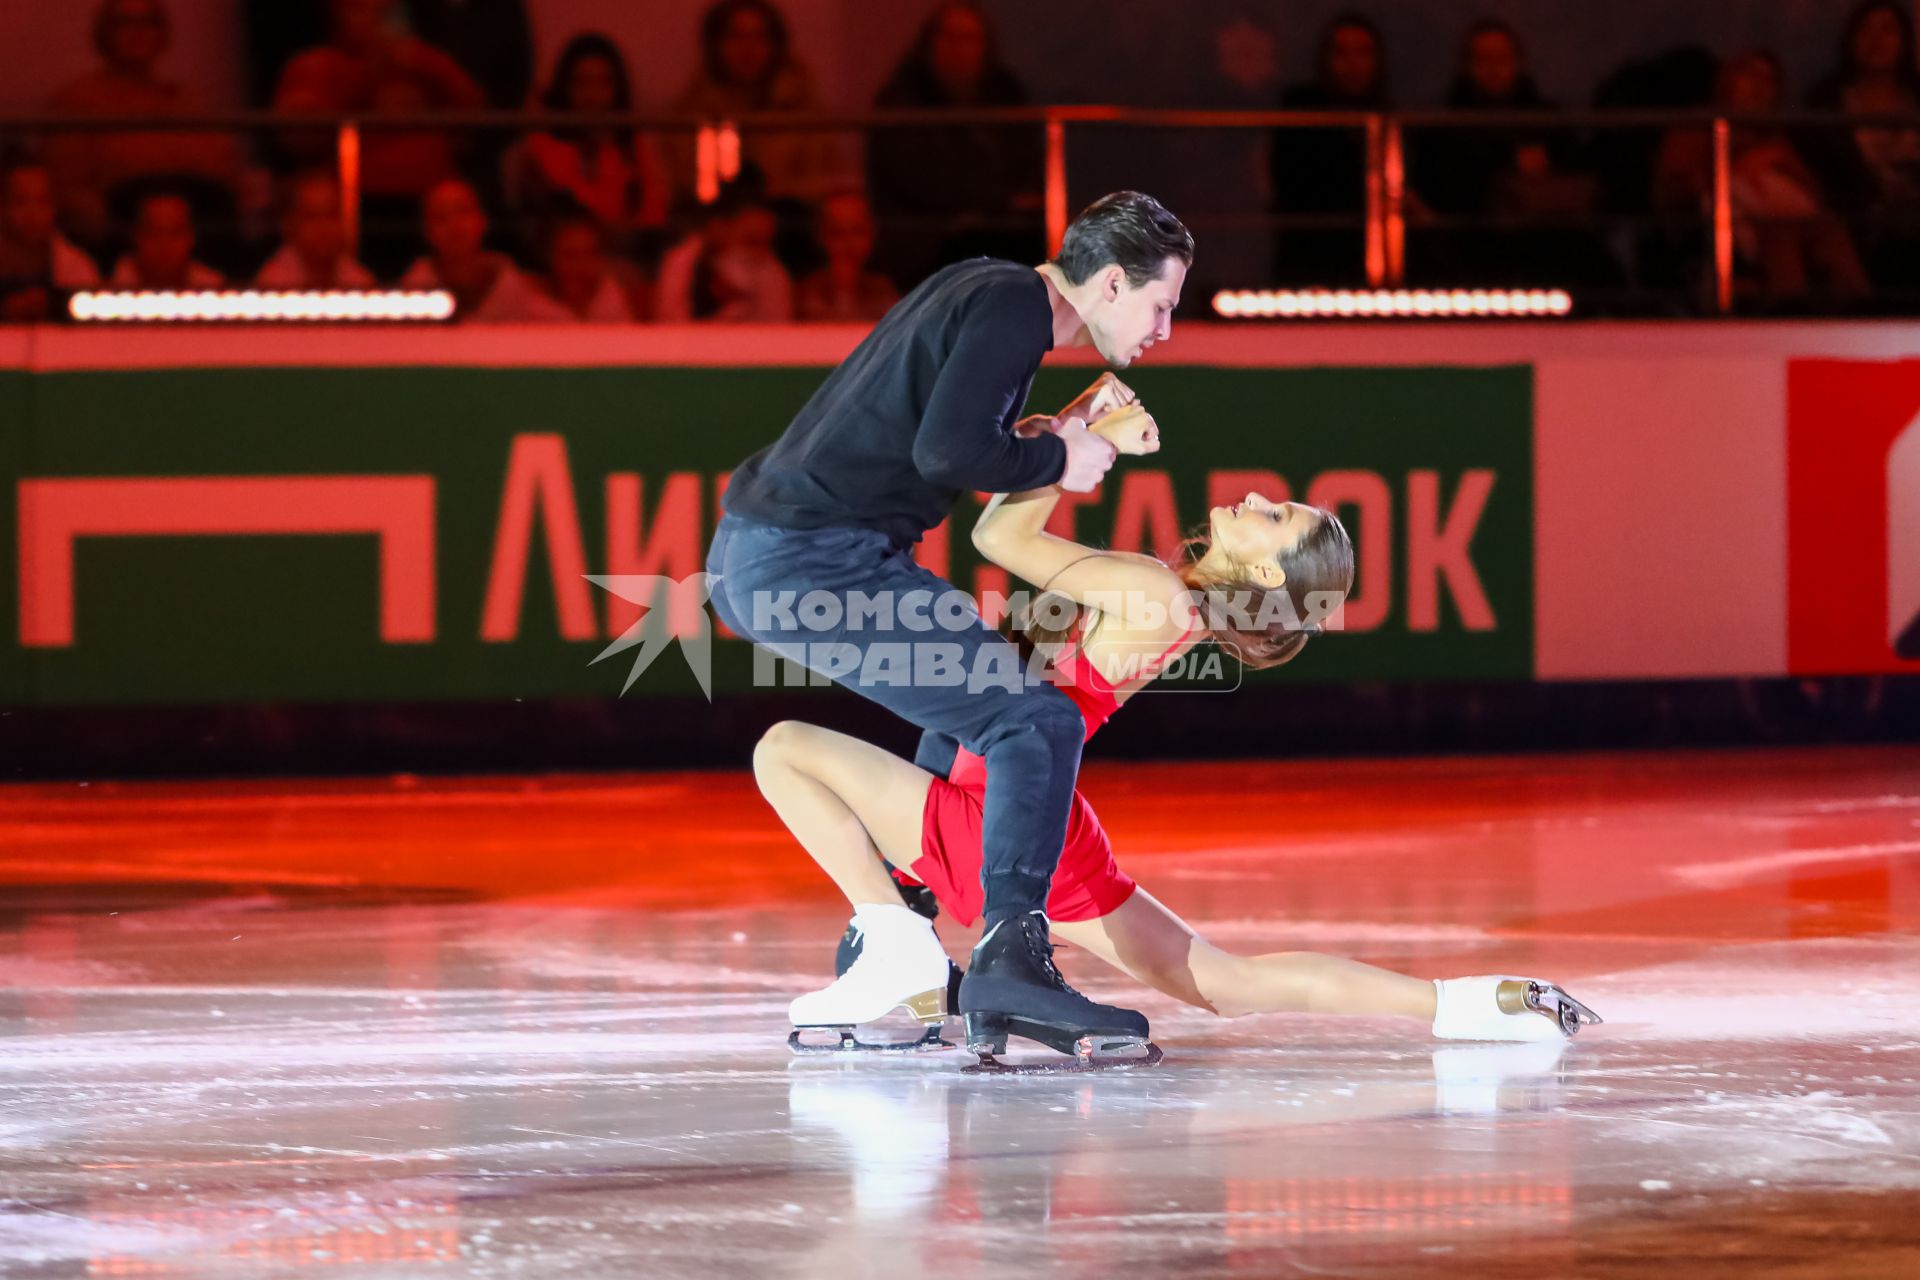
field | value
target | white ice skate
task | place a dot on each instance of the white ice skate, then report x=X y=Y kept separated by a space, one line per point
x=900 y=966
x=1503 y=1007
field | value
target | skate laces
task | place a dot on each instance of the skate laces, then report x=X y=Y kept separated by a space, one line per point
x=1044 y=950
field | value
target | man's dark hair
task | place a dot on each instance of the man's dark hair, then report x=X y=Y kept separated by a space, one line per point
x=1127 y=229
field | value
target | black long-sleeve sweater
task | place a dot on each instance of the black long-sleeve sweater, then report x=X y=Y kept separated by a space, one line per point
x=921 y=410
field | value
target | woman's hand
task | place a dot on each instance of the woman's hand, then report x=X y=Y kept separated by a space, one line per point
x=1130 y=429
x=1105 y=395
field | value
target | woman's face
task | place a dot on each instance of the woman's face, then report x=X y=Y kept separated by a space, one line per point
x=1254 y=530
x=1493 y=63
x=1877 y=41
x=959 y=53
x=1753 y=85
x=455 y=223
x=746 y=47
x=592 y=84
x=576 y=260
x=1353 y=62
x=136 y=34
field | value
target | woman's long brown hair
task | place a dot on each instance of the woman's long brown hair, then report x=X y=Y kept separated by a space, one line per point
x=1319 y=565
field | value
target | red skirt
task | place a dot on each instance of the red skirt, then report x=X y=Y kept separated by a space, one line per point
x=1087 y=885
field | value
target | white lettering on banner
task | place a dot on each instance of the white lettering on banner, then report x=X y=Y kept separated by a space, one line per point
x=1438 y=549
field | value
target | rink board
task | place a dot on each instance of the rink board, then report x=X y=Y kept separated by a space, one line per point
x=231 y=515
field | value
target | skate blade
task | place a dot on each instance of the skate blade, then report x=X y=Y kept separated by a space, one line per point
x=1110 y=1053
x=931 y=1041
x=1569 y=1014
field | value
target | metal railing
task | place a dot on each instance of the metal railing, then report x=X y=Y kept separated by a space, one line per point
x=1385 y=218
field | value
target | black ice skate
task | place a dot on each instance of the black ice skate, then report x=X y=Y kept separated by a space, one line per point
x=1013 y=989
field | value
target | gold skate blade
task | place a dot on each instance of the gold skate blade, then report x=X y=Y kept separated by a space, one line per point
x=846 y=1041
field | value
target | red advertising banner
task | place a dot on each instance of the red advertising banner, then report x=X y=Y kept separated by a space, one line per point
x=1853 y=516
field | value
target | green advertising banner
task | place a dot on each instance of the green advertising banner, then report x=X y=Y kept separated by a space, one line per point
x=345 y=533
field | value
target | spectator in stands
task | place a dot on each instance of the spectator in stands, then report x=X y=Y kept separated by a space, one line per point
x=36 y=261
x=1873 y=172
x=845 y=289
x=164 y=237
x=370 y=68
x=581 y=283
x=1783 y=229
x=747 y=64
x=488 y=287
x=89 y=167
x=727 y=270
x=1502 y=191
x=614 y=175
x=1319 y=176
x=1457 y=170
x=492 y=40
x=313 y=254
x=957 y=191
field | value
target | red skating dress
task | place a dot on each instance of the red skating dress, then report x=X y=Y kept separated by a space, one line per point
x=1088 y=883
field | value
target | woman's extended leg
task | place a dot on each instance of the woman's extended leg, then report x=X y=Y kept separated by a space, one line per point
x=1143 y=938
x=848 y=803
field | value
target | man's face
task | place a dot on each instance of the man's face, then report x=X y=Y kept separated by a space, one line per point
x=846 y=230
x=163 y=240
x=959 y=52
x=1877 y=42
x=313 y=221
x=455 y=224
x=135 y=34
x=357 y=23
x=28 y=212
x=1493 y=64
x=1127 y=320
x=1353 y=61
x=575 y=259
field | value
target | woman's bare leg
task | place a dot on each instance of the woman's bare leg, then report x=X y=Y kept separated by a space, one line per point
x=847 y=802
x=1143 y=938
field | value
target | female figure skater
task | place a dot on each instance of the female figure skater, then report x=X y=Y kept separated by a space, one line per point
x=851 y=803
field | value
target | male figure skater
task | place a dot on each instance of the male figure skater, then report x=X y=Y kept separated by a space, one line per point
x=927 y=406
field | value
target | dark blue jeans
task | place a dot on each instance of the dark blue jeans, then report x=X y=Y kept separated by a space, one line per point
x=810 y=595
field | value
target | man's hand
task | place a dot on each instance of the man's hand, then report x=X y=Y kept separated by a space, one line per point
x=1105 y=395
x=1129 y=430
x=1088 y=457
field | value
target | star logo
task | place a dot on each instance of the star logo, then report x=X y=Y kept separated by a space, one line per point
x=662 y=601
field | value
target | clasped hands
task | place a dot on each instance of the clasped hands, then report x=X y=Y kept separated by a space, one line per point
x=1103 y=421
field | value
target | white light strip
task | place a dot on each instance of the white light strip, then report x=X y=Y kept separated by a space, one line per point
x=329 y=306
x=1358 y=304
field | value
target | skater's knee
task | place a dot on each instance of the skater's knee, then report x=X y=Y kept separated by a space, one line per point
x=781 y=745
x=1049 y=714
